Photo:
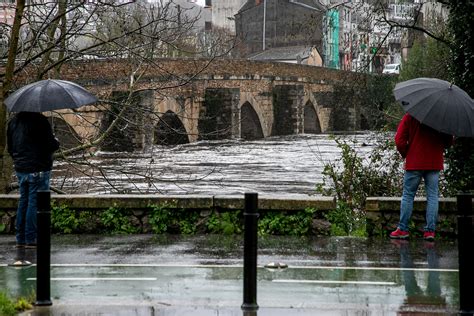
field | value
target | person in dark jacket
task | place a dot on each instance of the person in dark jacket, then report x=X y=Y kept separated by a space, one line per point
x=31 y=144
x=423 y=149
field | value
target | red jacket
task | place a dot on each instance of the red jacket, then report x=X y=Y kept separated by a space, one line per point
x=420 y=145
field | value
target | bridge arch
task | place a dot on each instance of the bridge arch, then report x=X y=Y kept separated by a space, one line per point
x=65 y=133
x=170 y=130
x=172 y=122
x=250 y=127
x=311 y=121
x=265 y=125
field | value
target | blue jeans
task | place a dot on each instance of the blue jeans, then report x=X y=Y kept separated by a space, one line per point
x=29 y=184
x=411 y=181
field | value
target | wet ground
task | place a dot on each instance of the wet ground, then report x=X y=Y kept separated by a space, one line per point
x=202 y=275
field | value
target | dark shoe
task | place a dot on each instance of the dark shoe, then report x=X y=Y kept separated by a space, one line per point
x=30 y=246
x=429 y=236
x=399 y=234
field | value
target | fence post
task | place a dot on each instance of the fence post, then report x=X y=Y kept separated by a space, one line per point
x=250 y=252
x=43 y=261
x=466 y=255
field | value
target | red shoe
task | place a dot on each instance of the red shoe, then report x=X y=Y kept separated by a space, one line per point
x=429 y=236
x=399 y=234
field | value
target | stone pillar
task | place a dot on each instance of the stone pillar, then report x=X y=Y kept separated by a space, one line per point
x=288 y=110
x=134 y=128
x=218 y=116
x=325 y=99
x=342 y=105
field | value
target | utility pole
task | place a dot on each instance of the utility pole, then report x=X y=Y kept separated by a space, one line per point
x=264 y=22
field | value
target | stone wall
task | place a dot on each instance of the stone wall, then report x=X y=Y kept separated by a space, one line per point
x=382 y=213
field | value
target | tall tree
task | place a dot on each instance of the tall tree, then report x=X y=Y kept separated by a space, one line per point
x=460 y=159
x=45 y=35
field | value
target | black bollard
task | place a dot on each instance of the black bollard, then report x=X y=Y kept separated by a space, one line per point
x=43 y=261
x=466 y=255
x=250 y=252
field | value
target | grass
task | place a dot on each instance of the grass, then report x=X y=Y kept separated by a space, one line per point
x=11 y=307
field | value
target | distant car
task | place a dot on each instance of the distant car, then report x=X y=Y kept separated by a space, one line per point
x=393 y=69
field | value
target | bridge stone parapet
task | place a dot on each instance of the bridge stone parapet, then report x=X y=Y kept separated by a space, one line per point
x=185 y=100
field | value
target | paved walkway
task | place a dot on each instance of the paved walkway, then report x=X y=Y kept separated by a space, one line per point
x=202 y=275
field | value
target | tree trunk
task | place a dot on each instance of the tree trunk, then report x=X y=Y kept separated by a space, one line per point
x=5 y=161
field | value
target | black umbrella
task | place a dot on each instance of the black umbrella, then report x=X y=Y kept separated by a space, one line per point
x=438 y=104
x=48 y=95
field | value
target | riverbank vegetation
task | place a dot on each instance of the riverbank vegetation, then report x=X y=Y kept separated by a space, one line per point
x=161 y=219
x=353 y=177
x=11 y=307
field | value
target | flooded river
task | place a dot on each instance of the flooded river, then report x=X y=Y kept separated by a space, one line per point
x=290 y=165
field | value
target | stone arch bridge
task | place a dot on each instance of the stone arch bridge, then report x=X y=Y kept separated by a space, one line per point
x=184 y=100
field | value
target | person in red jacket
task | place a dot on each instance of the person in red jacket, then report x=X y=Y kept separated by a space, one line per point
x=423 y=149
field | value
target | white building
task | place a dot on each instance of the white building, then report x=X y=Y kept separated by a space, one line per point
x=223 y=12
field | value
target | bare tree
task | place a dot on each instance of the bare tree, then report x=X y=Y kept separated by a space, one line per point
x=46 y=35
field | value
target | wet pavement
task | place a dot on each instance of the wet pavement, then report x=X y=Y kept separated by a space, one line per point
x=202 y=275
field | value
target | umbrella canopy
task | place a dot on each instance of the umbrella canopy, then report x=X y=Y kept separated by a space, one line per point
x=48 y=95
x=438 y=104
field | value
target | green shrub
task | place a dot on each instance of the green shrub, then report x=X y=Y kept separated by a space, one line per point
x=226 y=223
x=117 y=221
x=354 y=177
x=280 y=223
x=159 y=219
x=346 y=221
x=23 y=304
x=9 y=307
x=164 y=220
x=64 y=220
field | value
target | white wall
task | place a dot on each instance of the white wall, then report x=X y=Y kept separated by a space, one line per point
x=223 y=12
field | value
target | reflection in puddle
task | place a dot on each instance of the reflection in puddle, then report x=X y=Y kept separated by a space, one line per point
x=421 y=292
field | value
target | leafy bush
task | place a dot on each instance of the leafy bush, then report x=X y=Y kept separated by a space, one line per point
x=226 y=223
x=64 y=220
x=352 y=178
x=23 y=304
x=293 y=224
x=460 y=170
x=164 y=220
x=345 y=221
x=9 y=307
x=116 y=221
x=159 y=219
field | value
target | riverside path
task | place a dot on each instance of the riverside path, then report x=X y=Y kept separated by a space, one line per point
x=202 y=275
